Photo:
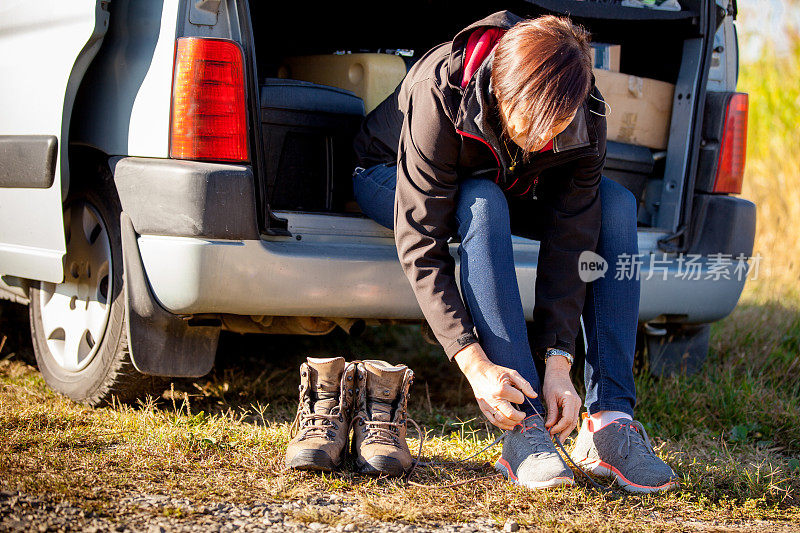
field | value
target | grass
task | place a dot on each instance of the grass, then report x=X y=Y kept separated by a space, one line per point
x=773 y=168
x=222 y=439
x=732 y=432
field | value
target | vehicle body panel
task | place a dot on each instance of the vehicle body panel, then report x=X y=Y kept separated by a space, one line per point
x=347 y=267
x=47 y=50
x=124 y=105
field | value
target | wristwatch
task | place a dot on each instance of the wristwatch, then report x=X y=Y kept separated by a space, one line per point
x=555 y=351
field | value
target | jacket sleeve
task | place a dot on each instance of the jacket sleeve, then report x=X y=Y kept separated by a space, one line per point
x=571 y=224
x=424 y=216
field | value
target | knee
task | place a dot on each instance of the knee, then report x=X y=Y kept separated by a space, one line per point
x=481 y=204
x=618 y=203
x=619 y=215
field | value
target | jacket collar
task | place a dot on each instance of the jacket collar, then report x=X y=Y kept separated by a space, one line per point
x=479 y=111
x=501 y=19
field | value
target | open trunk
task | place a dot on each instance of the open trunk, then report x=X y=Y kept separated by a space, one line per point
x=306 y=128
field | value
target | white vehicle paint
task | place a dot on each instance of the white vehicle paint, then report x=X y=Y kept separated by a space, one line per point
x=50 y=47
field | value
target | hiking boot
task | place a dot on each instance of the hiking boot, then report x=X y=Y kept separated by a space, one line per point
x=380 y=418
x=530 y=458
x=323 y=416
x=622 y=449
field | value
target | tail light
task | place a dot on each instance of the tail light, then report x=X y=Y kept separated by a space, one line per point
x=733 y=148
x=209 y=114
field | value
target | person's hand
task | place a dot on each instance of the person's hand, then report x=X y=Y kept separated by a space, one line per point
x=562 y=401
x=495 y=387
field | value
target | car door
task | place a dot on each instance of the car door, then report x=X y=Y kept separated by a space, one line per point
x=45 y=47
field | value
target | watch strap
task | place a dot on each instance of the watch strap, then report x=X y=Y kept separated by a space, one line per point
x=557 y=351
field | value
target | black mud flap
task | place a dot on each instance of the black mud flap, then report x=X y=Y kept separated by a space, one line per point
x=160 y=343
x=681 y=350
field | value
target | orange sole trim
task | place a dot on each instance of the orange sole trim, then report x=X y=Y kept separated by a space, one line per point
x=508 y=468
x=628 y=483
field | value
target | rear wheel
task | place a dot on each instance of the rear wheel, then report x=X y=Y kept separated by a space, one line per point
x=78 y=326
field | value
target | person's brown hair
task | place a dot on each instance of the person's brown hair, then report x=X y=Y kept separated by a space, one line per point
x=542 y=68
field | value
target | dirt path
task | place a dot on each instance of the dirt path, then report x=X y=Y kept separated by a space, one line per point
x=160 y=514
x=156 y=514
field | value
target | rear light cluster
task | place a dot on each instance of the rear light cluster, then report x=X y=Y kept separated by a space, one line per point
x=209 y=112
x=733 y=148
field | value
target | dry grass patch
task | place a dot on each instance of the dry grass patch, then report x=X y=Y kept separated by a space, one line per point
x=223 y=440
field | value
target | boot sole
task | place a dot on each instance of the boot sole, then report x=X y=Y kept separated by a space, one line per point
x=600 y=468
x=312 y=460
x=535 y=485
x=381 y=465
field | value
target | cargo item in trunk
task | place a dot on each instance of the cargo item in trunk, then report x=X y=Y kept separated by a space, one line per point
x=606 y=56
x=639 y=108
x=372 y=77
x=308 y=131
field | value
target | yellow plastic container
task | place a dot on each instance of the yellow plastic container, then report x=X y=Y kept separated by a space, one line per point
x=372 y=77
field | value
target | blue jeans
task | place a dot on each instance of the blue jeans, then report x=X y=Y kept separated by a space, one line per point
x=491 y=293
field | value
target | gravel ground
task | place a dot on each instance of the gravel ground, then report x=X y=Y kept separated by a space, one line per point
x=159 y=514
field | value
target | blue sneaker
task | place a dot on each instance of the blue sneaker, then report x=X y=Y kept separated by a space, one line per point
x=530 y=458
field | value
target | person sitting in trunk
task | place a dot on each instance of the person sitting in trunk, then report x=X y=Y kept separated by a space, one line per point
x=503 y=131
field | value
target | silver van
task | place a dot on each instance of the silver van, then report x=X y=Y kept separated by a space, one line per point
x=170 y=169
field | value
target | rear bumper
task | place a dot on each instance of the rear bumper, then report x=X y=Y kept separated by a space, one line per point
x=187 y=198
x=336 y=266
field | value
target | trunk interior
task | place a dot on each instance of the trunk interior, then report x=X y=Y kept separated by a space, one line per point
x=307 y=128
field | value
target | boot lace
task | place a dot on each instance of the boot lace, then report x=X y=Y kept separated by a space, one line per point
x=380 y=431
x=304 y=423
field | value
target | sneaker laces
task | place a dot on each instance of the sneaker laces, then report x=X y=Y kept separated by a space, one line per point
x=603 y=490
x=537 y=434
x=557 y=441
x=640 y=440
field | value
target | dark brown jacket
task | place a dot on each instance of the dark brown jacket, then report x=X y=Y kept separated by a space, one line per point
x=437 y=134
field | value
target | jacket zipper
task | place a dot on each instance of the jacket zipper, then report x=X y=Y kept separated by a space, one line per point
x=496 y=158
x=531 y=188
x=577 y=153
x=484 y=141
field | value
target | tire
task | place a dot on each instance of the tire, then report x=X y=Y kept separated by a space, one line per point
x=78 y=327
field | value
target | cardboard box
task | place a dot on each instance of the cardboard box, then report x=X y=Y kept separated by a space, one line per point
x=606 y=56
x=640 y=108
